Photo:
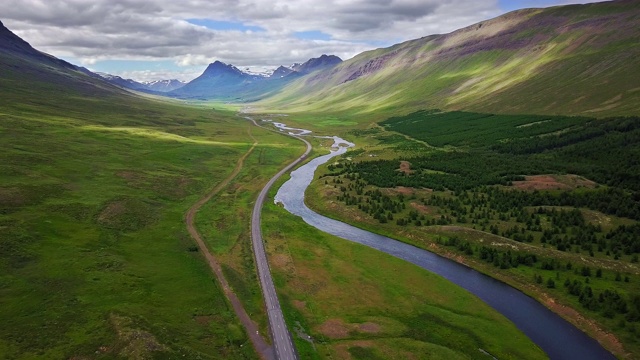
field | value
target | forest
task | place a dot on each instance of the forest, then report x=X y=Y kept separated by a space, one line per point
x=580 y=237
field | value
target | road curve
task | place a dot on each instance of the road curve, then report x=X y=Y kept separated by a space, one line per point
x=282 y=342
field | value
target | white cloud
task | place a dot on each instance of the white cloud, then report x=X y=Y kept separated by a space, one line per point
x=95 y=30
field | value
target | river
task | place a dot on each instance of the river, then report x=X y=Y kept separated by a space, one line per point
x=554 y=335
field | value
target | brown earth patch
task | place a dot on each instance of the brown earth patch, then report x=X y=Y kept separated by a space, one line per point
x=10 y=197
x=405 y=167
x=129 y=175
x=299 y=304
x=280 y=261
x=127 y=214
x=404 y=190
x=422 y=208
x=203 y=319
x=553 y=182
x=334 y=329
x=134 y=343
x=330 y=191
x=111 y=211
x=369 y=327
x=342 y=350
x=338 y=329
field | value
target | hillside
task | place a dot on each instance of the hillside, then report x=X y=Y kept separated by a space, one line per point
x=577 y=59
x=21 y=64
x=95 y=261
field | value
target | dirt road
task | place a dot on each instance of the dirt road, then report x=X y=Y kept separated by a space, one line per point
x=262 y=348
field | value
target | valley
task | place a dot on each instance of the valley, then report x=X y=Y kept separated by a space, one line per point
x=487 y=206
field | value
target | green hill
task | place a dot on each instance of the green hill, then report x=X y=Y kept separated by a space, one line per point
x=95 y=260
x=578 y=59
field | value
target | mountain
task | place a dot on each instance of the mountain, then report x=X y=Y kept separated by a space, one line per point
x=315 y=64
x=24 y=69
x=157 y=86
x=164 y=85
x=218 y=80
x=11 y=44
x=281 y=72
x=224 y=81
x=122 y=82
x=575 y=59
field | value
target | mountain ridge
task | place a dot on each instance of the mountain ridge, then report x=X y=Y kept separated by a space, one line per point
x=526 y=61
x=225 y=81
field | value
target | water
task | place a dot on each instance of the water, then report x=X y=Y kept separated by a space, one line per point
x=554 y=335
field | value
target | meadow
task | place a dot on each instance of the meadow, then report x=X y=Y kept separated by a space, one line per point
x=347 y=301
x=95 y=258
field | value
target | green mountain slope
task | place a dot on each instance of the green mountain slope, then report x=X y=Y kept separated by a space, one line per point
x=578 y=59
x=95 y=260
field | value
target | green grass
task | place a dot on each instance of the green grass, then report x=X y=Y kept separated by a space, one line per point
x=331 y=287
x=224 y=221
x=93 y=243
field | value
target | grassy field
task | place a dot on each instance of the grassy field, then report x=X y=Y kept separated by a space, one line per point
x=225 y=220
x=347 y=301
x=94 y=256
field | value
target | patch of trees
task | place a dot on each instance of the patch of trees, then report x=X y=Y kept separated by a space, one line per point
x=609 y=303
x=504 y=213
x=499 y=148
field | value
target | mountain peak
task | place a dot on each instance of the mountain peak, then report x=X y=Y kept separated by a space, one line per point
x=281 y=72
x=218 y=68
x=323 y=62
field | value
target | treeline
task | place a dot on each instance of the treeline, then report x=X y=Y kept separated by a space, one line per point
x=504 y=213
x=462 y=173
x=609 y=303
x=500 y=147
x=461 y=128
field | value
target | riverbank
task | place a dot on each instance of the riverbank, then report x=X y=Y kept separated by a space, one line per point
x=319 y=201
x=547 y=329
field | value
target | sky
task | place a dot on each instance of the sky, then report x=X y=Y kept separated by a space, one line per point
x=176 y=39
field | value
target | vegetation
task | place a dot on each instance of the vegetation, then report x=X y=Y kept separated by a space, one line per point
x=224 y=221
x=542 y=61
x=478 y=187
x=94 y=256
x=345 y=300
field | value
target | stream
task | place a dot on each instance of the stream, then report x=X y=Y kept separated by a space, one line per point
x=554 y=335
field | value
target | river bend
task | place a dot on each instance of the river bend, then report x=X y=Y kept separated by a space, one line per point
x=554 y=335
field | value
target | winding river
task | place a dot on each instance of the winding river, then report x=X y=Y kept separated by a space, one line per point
x=554 y=335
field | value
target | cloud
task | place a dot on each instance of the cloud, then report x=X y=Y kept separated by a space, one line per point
x=98 y=30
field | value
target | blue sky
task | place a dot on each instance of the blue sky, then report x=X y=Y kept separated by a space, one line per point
x=224 y=25
x=509 y=5
x=162 y=39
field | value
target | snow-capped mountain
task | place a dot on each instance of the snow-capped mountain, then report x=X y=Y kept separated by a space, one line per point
x=122 y=82
x=164 y=85
x=226 y=81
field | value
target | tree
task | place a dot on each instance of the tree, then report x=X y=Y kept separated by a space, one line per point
x=551 y=284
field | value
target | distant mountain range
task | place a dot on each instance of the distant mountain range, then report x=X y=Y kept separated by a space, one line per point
x=224 y=81
x=154 y=86
x=572 y=60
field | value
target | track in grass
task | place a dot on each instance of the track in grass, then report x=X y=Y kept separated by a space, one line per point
x=262 y=348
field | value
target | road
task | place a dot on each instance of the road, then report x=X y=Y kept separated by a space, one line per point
x=282 y=342
x=262 y=348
